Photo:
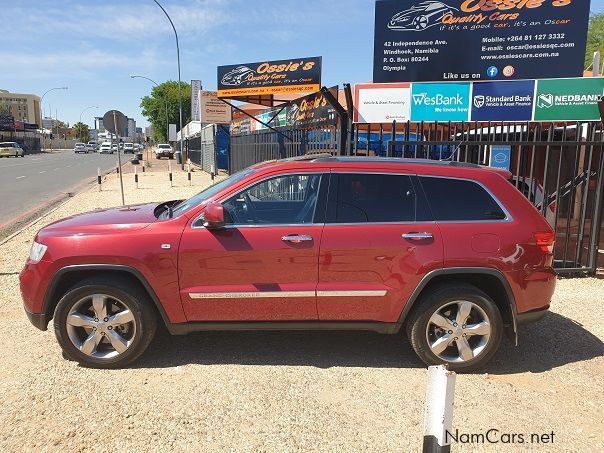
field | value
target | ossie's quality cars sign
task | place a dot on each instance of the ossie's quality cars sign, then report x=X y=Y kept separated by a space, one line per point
x=470 y=40
x=270 y=77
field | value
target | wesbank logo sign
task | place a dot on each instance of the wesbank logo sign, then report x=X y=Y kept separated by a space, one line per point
x=440 y=101
x=569 y=99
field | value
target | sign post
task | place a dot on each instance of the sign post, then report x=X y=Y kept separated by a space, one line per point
x=116 y=123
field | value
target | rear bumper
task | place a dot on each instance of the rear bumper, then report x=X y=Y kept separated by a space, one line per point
x=531 y=316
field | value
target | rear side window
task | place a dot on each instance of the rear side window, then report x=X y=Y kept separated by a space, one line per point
x=367 y=198
x=460 y=200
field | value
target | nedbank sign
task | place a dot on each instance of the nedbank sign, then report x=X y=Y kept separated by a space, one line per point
x=568 y=99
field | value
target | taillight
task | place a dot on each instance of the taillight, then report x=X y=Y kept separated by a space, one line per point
x=546 y=241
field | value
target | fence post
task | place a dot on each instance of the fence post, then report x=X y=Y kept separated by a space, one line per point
x=189 y=173
x=136 y=177
x=170 y=172
x=98 y=177
x=212 y=171
x=438 y=418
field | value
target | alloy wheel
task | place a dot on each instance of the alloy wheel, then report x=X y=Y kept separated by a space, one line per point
x=101 y=326
x=458 y=331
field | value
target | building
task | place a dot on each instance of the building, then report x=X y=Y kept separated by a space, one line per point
x=49 y=123
x=23 y=107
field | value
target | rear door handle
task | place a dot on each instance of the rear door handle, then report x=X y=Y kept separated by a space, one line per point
x=297 y=238
x=418 y=236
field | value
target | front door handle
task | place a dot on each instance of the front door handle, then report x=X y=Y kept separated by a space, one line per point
x=297 y=238
x=418 y=236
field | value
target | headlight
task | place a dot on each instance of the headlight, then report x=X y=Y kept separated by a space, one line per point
x=37 y=252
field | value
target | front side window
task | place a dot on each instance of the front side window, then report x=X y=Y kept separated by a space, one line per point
x=374 y=198
x=288 y=199
x=460 y=200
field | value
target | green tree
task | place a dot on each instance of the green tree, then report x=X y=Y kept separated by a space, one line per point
x=81 y=131
x=595 y=38
x=154 y=107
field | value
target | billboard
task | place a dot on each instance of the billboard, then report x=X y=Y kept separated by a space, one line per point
x=270 y=77
x=456 y=40
x=440 y=101
x=7 y=122
x=195 y=89
x=382 y=103
x=503 y=101
x=212 y=109
x=312 y=110
x=569 y=99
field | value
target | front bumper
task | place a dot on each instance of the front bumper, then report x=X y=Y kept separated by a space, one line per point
x=38 y=320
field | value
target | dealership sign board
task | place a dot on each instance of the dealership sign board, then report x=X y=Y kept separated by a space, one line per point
x=503 y=101
x=568 y=99
x=269 y=77
x=456 y=40
x=382 y=103
x=440 y=101
x=195 y=90
x=213 y=110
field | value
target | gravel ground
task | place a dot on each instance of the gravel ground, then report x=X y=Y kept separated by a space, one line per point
x=288 y=391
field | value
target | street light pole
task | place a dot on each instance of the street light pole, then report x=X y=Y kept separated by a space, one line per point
x=182 y=150
x=165 y=101
x=87 y=108
x=42 y=115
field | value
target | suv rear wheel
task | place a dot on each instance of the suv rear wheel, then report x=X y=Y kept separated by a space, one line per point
x=102 y=323
x=458 y=325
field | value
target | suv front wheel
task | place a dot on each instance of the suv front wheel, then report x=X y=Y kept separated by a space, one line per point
x=102 y=323
x=456 y=324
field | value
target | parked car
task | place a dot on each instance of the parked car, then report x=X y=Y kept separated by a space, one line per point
x=308 y=243
x=11 y=149
x=164 y=150
x=80 y=148
x=107 y=148
x=129 y=148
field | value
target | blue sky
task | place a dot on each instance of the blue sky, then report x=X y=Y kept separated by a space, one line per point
x=93 y=46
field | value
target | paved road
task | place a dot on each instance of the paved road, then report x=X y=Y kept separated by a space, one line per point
x=28 y=182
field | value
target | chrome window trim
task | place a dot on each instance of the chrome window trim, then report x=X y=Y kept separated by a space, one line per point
x=274 y=175
x=290 y=294
x=508 y=216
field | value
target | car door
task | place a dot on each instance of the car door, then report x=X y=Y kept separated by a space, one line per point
x=377 y=244
x=263 y=265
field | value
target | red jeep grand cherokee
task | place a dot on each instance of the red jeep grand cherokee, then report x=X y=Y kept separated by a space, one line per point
x=451 y=254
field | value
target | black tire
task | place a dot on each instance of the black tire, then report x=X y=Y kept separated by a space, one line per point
x=439 y=297
x=130 y=295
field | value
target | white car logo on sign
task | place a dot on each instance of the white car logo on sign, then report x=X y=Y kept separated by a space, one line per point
x=478 y=101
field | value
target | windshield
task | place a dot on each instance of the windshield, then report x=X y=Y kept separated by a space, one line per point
x=196 y=200
x=164 y=146
x=7 y=145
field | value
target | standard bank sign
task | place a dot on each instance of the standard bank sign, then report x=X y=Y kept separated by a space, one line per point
x=440 y=101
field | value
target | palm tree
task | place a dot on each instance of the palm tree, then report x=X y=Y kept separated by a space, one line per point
x=81 y=131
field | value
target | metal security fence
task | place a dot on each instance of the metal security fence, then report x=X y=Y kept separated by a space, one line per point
x=250 y=149
x=558 y=166
x=209 y=150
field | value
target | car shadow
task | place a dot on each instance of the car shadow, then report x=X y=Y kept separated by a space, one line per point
x=553 y=342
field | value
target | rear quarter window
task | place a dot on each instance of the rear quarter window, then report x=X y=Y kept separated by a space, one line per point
x=460 y=200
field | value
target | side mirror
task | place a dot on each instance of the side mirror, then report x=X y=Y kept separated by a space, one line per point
x=213 y=216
